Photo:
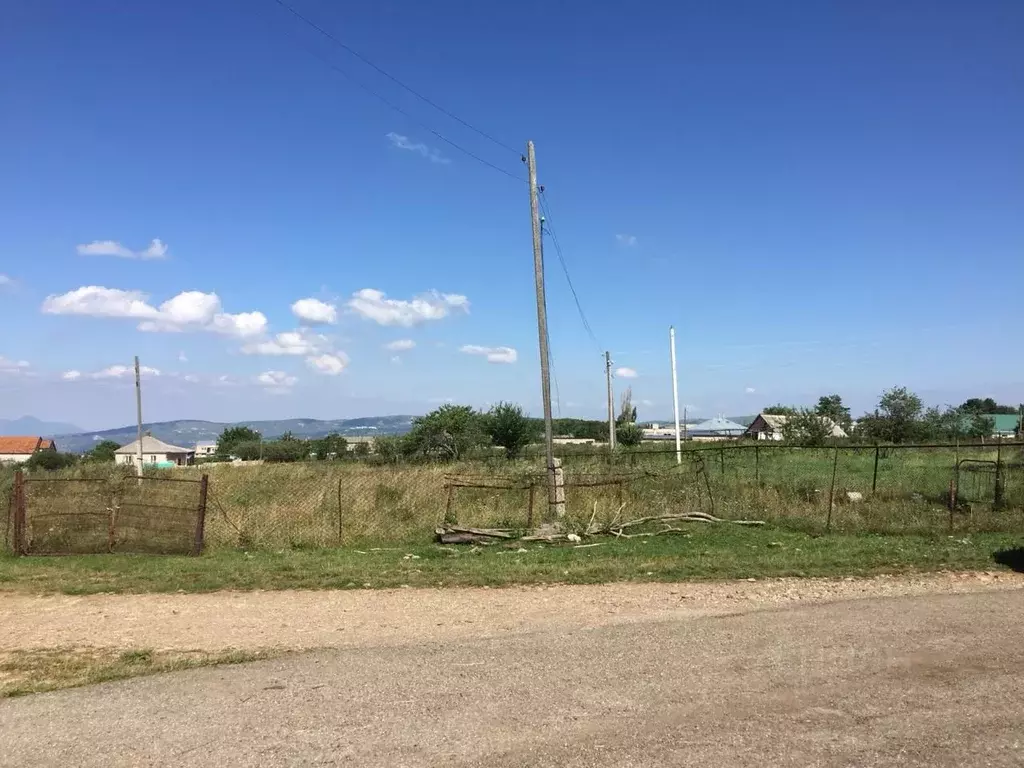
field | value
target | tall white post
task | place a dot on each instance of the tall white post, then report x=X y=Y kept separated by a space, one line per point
x=675 y=391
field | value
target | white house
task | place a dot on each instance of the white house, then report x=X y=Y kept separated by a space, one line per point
x=18 y=449
x=154 y=452
x=205 y=449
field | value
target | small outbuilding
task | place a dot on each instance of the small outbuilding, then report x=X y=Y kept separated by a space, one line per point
x=770 y=426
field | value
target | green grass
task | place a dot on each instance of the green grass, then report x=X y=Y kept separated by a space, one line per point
x=48 y=669
x=716 y=552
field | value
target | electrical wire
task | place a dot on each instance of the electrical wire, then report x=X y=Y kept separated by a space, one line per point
x=392 y=78
x=554 y=378
x=549 y=228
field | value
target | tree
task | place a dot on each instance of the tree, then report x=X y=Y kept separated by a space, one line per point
x=628 y=434
x=361 y=449
x=103 y=451
x=897 y=418
x=779 y=410
x=508 y=427
x=285 y=450
x=832 y=408
x=249 y=450
x=231 y=436
x=331 y=446
x=627 y=411
x=50 y=460
x=807 y=427
x=982 y=405
x=448 y=432
x=389 y=448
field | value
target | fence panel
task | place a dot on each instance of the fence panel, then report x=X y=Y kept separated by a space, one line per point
x=154 y=515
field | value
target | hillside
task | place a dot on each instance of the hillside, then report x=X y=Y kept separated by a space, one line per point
x=30 y=425
x=187 y=433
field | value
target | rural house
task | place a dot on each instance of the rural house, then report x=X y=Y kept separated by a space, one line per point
x=205 y=449
x=18 y=449
x=1004 y=424
x=154 y=452
x=769 y=426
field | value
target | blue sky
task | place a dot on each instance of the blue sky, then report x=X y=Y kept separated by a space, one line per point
x=821 y=199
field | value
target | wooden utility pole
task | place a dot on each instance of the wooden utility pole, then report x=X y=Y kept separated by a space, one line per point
x=138 y=414
x=542 y=330
x=611 y=401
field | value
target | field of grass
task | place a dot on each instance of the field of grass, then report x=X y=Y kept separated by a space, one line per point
x=327 y=504
x=709 y=552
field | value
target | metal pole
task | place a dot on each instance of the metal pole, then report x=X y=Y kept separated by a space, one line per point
x=675 y=392
x=874 y=475
x=611 y=401
x=138 y=413
x=832 y=489
x=542 y=326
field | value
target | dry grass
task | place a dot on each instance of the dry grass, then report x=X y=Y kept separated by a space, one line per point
x=49 y=669
x=324 y=504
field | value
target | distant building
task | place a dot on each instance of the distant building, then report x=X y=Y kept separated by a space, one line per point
x=770 y=426
x=718 y=428
x=18 y=449
x=1004 y=424
x=205 y=449
x=154 y=453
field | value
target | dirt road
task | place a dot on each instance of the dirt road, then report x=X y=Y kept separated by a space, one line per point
x=741 y=674
x=343 y=619
x=932 y=680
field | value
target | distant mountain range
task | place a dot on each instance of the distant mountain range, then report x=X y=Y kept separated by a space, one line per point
x=187 y=433
x=30 y=425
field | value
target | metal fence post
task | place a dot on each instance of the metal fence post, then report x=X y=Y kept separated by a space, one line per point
x=757 y=465
x=721 y=459
x=874 y=475
x=197 y=545
x=832 y=489
x=997 y=501
x=19 y=513
x=339 y=513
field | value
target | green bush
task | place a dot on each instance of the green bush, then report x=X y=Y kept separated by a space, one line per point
x=50 y=460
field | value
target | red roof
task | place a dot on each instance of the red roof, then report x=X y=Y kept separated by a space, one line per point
x=20 y=444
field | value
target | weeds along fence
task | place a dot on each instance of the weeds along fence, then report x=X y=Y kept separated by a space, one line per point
x=901 y=489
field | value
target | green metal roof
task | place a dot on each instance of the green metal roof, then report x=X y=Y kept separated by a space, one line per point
x=1005 y=423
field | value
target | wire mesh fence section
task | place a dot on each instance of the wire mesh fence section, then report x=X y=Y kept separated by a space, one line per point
x=149 y=515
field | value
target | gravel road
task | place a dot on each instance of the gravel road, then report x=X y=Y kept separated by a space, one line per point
x=740 y=675
x=344 y=619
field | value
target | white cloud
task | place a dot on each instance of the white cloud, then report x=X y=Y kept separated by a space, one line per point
x=12 y=366
x=287 y=343
x=404 y=142
x=647 y=403
x=626 y=373
x=493 y=354
x=396 y=360
x=191 y=378
x=627 y=240
x=112 y=372
x=315 y=312
x=750 y=390
x=188 y=311
x=374 y=305
x=276 y=382
x=329 y=364
x=6 y=280
x=401 y=345
x=156 y=249
x=182 y=357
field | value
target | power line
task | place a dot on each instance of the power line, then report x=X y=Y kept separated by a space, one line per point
x=554 y=378
x=383 y=99
x=565 y=268
x=394 y=79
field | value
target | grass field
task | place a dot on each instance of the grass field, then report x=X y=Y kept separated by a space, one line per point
x=709 y=552
x=327 y=504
